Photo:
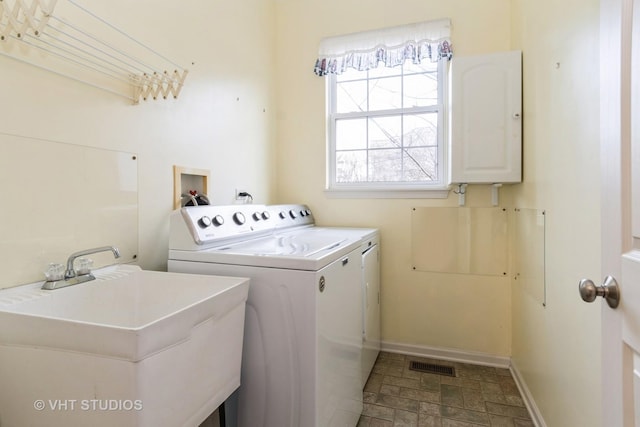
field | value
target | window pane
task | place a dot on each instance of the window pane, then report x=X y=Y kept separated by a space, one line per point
x=382 y=71
x=351 y=166
x=420 y=90
x=420 y=164
x=398 y=146
x=385 y=165
x=384 y=132
x=425 y=66
x=351 y=134
x=385 y=93
x=420 y=129
x=351 y=96
x=350 y=74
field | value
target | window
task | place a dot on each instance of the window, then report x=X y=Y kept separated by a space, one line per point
x=386 y=123
x=385 y=126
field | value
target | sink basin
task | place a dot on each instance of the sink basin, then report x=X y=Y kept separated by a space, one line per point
x=131 y=348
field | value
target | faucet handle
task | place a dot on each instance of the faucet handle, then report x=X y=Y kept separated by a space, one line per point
x=54 y=272
x=84 y=266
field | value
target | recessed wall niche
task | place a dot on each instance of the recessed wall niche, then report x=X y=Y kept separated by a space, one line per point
x=186 y=179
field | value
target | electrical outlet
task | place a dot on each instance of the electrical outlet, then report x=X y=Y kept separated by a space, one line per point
x=241 y=195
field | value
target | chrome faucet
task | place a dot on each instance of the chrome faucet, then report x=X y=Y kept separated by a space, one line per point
x=71 y=272
x=55 y=278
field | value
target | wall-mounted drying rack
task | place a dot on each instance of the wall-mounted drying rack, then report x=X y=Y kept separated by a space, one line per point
x=86 y=48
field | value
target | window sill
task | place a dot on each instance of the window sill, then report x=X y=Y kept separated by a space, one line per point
x=422 y=193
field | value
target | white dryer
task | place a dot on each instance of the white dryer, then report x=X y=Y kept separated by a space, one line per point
x=304 y=359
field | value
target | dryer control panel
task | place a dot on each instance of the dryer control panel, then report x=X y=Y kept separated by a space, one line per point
x=194 y=226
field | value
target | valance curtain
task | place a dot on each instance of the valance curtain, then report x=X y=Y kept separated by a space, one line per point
x=391 y=46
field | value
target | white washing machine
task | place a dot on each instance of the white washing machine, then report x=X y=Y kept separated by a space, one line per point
x=309 y=344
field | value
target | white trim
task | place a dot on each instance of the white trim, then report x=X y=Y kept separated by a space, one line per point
x=451 y=354
x=616 y=27
x=534 y=411
x=476 y=358
x=386 y=194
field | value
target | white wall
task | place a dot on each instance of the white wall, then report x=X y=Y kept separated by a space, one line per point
x=557 y=347
x=223 y=120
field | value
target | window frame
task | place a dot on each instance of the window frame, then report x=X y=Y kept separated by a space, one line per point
x=436 y=189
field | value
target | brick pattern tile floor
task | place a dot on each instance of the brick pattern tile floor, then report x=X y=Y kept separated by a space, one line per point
x=396 y=396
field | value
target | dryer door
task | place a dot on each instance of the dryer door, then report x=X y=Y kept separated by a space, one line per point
x=370 y=310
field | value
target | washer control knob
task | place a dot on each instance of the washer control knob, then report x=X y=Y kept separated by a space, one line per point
x=256 y=216
x=303 y=213
x=238 y=217
x=308 y=211
x=218 y=220
x=283 y=215
x=204 y=222
x=266 y=215
x=293 y=214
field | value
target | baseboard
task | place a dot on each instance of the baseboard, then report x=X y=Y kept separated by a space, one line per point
x=476 y=358
x=448 y=354
x=536 y=416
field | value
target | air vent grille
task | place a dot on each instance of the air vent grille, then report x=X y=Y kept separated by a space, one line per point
x=432 y=368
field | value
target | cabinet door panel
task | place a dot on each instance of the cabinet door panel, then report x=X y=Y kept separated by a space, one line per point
x=486 y=119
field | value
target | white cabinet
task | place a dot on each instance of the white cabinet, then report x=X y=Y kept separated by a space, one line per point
x=485 y=135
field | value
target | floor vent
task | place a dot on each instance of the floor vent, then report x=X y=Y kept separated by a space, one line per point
x=432 y=368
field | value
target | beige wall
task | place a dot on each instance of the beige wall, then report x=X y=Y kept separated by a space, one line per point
x=226 y=119
x=470 y=313
x=557 y=348
x=223 y=121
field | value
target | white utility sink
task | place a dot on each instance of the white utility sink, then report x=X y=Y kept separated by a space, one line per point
x=131 y=348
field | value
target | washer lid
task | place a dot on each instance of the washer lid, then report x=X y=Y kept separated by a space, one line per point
x=292 y=244
x=304 y=249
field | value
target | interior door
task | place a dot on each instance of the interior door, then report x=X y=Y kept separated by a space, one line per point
x=620 y=142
